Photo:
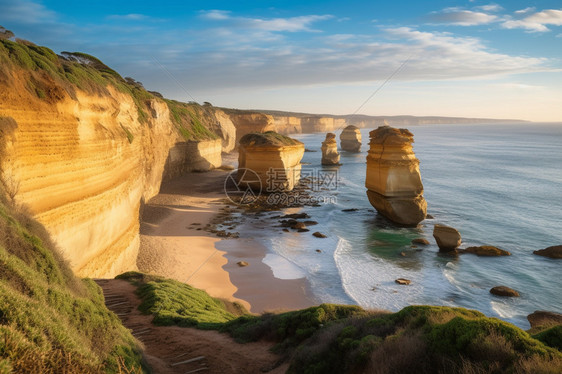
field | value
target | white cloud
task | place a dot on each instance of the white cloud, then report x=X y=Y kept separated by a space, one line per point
x=216 y=15
x=290 y=24
x=525 y=11
x=460 y=17
x=25 y=12
x=536 y=22
x=128 y=17
x=489 y=8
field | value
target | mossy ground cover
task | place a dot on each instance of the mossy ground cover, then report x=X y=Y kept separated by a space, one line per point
x=348 y=339
x=50 y=321
x=268 y=138
x=188 y=120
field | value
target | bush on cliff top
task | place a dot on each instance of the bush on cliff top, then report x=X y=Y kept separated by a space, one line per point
x=268 y=138
x=347 y=339
x=187 y=119
x=50 y=321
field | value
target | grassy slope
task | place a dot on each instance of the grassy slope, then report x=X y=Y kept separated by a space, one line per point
x=50 y=321
x=51 y=77
x=347 y=339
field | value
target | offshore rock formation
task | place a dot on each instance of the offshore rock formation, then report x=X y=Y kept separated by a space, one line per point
x=393 y=180
x=330 y=155
x=448 y=239
x=552 y=252
x=350 y=139
x=274 y=158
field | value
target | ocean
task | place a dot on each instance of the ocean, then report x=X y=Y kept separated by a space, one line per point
x=497 y=184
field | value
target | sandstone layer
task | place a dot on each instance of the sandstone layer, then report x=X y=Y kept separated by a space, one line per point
x=84 y=160
x=250 y=122
x=393 y=180
x=350 y=139
x=330 y=154
x=274 y=158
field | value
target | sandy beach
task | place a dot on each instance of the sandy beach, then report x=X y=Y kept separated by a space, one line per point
x=174 y=244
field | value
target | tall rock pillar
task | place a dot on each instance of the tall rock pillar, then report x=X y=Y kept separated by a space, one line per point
x=393 y=180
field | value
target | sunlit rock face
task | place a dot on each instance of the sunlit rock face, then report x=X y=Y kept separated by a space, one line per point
x=330 y=155
x=393 y=180
x=350 y=139
x=83 y=165
x=251 y=122
x=274 y=158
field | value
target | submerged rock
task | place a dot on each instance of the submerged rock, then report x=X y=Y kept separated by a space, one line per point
x=448 y=239
x=350 y=139
x=319 y=235
x=403 y=281
x=551 y=252
x=486 y=250
x=543 y=318
x=504 y=291
x=274 y=158
x=393 y=180
x=242 y=263
x=330 y=155
x=421 y=241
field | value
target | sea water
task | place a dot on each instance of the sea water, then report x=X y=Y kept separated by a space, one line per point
x=498 y=185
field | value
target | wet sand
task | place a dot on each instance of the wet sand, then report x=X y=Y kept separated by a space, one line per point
x=175 y=245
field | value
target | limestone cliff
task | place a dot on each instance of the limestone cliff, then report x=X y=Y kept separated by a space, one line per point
x=247 y=122
x=330 y=155
x=350 y=139
x=274 y=158
x=82 y=148
x=393 y=180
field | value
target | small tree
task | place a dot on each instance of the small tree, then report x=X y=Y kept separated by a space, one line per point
x=5 y=34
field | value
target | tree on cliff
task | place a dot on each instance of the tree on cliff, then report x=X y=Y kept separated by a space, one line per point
x=5 y=34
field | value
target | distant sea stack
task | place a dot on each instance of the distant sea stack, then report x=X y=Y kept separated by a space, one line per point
x=330 y=155
x=275 y=158
x=393 y=180
x=350 y=139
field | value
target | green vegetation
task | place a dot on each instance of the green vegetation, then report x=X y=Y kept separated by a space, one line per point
x=130 y=136
x=268 y=138
x=551 y=336
x=187 y=118
x=347 y=339
x=50 y=321
x=51 y=76
x=175 y=303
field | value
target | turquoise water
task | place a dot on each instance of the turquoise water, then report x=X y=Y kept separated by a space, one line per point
x=498 y=185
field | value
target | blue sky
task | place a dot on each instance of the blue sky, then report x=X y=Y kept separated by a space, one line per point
x=465 y=58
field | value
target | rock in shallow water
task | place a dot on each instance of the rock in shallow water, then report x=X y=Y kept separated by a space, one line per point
x=330 y=155
x=448 y=239
x=350 y=139
x=544 y=318
x=504 y=291
x=393 y=180
x=486 y=250
x=421 y=241
x=551 y=252
x=403 y=281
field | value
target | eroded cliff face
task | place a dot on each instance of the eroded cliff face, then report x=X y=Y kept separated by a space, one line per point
x=249 y=122
x=274 y=158
x=83 y=165
x=393 y=180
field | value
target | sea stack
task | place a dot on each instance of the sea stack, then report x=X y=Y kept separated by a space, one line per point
x=330 y=155
x=350 y=139
x=393 y=180
x=273 y=157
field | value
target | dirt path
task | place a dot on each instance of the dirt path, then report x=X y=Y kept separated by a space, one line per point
x=170 y=349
